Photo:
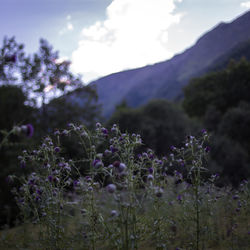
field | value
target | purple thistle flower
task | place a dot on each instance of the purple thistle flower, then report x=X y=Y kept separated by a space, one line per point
x=9 y=179
x=116 y=164
x=236 y=197
x=28 y=130
x=150 y=177
x=31 y=182
x=113 y=149
x=151 y=156
x=179 y=197
x=57 y=132
x=151 y=170
x=34 y=152
x=107 y=152
x=88 y=179
x=239 y=204
x=113 y=130
x=164 y=158
x=207 y=149
x=203 y=131
x=76 y=183
x=113 y=213
x=39 y=192
x=56 y=179
x=98 y=125
x=160 y=162
x=122 y=167
x=21 y=200
x=97 y=163
x=111 y=188
x=57 y=149
x=159 y=192
x=67 y=167
x=22 y=164
x=104 y=131
x=50 y=178
x=65 y=132
x=61 y=164
x=70 y=125
x=38 y=198
x=110 y=166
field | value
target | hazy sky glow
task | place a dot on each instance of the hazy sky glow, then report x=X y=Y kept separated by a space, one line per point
x=106 y=36
x=134 y=33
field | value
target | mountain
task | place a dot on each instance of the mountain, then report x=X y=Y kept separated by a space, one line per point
x=166 y=79
x=242 y=50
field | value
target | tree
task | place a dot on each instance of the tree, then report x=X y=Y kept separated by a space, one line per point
x=12 y=107
x=13 y=111
x=11 y=60
x=221 y=101
x=46 y=75
x=37 y=89
x=160 y=123
x=43 y=77
x=222 y=90
x=235 y=124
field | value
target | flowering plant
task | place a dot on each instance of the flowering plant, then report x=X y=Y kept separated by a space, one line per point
x=127 y=196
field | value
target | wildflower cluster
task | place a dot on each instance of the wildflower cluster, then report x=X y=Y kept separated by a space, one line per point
x=126 y=197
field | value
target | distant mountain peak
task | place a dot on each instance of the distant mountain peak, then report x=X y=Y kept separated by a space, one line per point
x=166 y=79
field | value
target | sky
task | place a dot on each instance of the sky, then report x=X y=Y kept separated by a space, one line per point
x=101 y=37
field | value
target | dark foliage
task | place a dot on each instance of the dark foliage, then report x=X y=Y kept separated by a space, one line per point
x=221 y=100
x=160 y=123
x=25 y=99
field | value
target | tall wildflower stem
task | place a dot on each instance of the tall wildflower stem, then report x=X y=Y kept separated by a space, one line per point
x=92 y=222
x=196 y=158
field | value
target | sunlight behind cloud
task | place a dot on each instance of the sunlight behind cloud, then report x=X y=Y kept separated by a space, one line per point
x=245 y=4
x=134 y=34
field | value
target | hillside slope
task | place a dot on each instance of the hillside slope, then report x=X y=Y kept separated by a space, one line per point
x=166 y=79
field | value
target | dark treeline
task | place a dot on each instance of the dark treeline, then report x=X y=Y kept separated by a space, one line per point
x=35 y=89
x=38 y=88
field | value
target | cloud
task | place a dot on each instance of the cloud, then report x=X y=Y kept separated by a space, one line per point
x=69 y=26
x=245 y=4
x=134 y=34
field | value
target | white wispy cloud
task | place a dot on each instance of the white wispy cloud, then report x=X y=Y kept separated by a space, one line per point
x=68 y=27
x=135 y=33
x=245 y=4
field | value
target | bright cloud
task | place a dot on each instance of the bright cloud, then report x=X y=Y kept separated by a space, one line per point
x=134 y=34
x=245 y=4
x=69 y=26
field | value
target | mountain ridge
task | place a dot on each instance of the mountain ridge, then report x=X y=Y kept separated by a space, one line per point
x=166 y=79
